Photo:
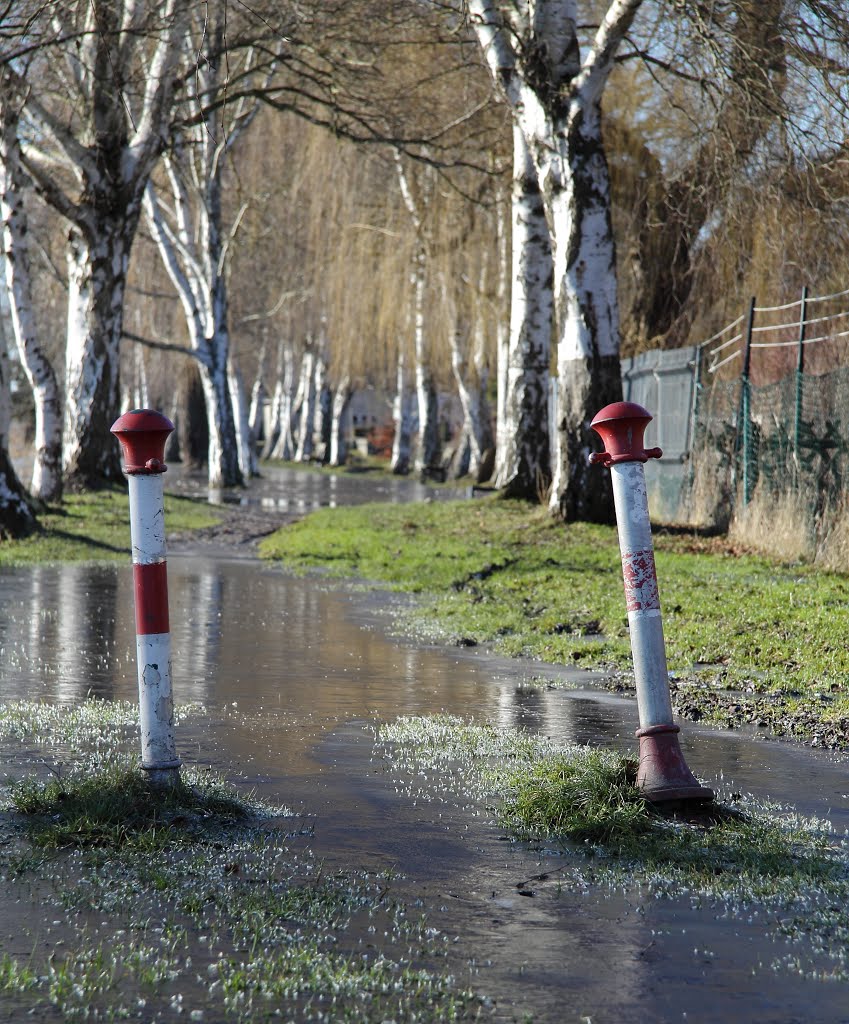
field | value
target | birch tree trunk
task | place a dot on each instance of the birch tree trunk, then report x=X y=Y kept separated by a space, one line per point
x=282 y=444
x=110 y=137
x=525 y=469
x=339 y=423
x=534 y=55
x=586 y=308
x=481 y=413
x=428 y=456
x=46 y=482
x=305 y=407
x=241 y=421
x=17 y=518
x=255 y=414
x=97 y=259
x=320 y=423
x=223 y=467
x=502 y=343
x=403 y=417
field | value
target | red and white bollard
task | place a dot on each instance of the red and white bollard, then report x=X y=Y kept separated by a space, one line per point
x=142 y=434
x=663 y=775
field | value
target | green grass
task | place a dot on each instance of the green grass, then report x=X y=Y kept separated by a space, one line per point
x=589 y=796
x=507 y=574
x=580 y=808
x=116 y=807
x=95 y=526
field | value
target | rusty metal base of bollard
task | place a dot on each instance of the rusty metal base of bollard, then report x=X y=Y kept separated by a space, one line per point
x=163 y=776
x=663 y=776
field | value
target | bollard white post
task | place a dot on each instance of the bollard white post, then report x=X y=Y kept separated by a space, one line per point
x=663 y=774
x=142 y=434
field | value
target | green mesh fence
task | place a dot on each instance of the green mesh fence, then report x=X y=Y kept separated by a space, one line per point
x=791 y=436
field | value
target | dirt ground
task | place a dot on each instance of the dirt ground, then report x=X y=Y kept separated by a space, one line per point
x=237 y=535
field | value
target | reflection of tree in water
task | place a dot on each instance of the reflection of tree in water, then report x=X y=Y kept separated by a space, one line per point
x=84 y=650
x=561 y=715
x=195 y=599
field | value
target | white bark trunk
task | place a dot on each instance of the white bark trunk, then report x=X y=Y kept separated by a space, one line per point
x=223 y=468
x=525 y=466
x=110 y=161
x=282 y=445
x=428 y=454
x=403 y=417
x=197 y=272
x=255 y=413
x=339 y=423
x=556 y=101
x=305 y=407
x=96 y=279
x=468 y=453
x=502 y=343
x=587 y=315
x=17 y=518
x=321 y=409
x=46 y=483
x=241 y=421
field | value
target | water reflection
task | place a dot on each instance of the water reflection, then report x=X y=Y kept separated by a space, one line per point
x=300 y=659
x=303 y=490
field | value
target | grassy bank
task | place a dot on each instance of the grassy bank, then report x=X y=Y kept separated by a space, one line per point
x=749 y=639
x=96 y=526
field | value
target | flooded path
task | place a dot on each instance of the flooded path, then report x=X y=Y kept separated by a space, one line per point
x=297 y=673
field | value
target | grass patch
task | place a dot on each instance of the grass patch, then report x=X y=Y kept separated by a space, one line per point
x=587 y=798
x=95 y=526
x=580 y=806
x=507 y=574
x=117 y=807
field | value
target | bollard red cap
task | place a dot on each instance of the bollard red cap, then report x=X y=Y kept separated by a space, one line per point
x=621 y=427
x=143 y=433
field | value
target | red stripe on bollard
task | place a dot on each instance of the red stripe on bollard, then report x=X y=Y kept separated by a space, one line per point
x=150 y=584
x=640 y=579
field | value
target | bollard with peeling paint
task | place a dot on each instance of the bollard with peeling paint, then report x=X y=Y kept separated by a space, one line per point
x=142 y=434
x=663 y=774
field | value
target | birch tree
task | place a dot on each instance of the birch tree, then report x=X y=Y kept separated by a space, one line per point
x=17 y=517
x=524 y=458
x=427 y=454
x=554 y=92
x=46 y=484
x=195 y=246
x=98 y=121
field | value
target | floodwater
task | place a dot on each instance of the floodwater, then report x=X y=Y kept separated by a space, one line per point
x=298 y=491
x=296 y=673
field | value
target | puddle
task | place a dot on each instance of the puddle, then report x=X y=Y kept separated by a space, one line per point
x=295 y=673
x=303 y=490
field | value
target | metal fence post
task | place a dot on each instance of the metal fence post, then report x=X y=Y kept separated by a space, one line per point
x=746 y=408
x=663 y=774
x=142 y=434
x=800 y=369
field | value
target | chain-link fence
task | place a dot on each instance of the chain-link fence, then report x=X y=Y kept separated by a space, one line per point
x=772 y=408
x=763 y=406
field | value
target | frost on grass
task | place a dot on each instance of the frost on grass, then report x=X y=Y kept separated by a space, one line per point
x=581 y=805
x=96 y=726
x=196 y=901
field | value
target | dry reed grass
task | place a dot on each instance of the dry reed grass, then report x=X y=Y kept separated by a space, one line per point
x=780 y=526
